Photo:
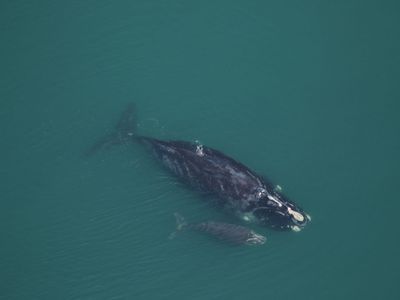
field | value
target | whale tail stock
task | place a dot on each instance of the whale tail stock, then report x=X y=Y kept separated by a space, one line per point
x=123 y=133
x=180 y=225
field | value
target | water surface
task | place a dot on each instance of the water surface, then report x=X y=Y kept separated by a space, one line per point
x=305 y=93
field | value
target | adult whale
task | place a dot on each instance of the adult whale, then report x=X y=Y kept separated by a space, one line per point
x=238 y=189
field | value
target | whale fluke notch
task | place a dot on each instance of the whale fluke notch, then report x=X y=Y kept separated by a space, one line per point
x=123 y=132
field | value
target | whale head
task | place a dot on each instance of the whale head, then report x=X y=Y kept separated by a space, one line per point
x=277 y=212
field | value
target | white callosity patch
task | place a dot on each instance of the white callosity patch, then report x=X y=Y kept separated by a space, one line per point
x=275 y=199
x=298 y=216
x=261 y=192
x=295 y=228
x=256 y=239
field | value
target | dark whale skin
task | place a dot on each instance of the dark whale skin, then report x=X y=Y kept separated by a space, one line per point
x=239 y=189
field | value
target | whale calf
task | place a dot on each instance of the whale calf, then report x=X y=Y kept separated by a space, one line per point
x=235 y=187
x=231 y=233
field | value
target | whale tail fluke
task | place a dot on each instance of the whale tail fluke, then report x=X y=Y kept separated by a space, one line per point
x=180 y=225
x=123 y=133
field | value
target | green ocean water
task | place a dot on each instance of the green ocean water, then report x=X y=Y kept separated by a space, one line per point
x=304 y=92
